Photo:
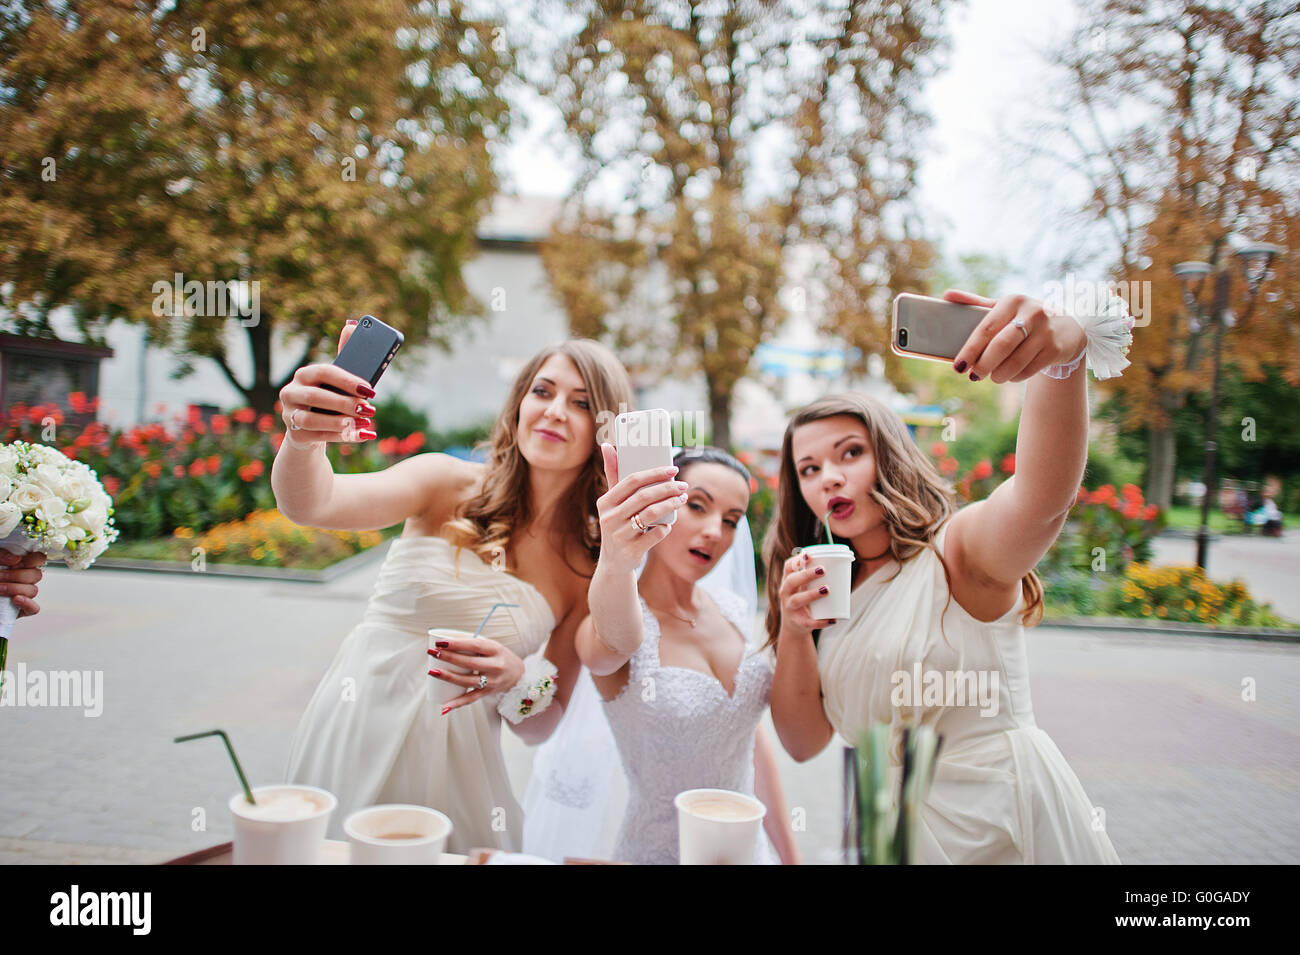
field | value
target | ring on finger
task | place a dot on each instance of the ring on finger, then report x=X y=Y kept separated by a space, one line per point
x=293 y=423
x=1020 y=324
x=636 y=520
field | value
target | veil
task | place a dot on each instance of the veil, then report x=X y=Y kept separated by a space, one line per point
x=577 y=792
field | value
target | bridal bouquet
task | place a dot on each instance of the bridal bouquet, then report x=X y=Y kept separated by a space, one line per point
x=51 y=504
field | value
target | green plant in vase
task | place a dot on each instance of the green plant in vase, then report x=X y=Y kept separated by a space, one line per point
x=886 y=826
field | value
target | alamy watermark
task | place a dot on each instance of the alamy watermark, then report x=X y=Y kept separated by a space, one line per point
x=945 y=688
x=681 y=429
x=212 y=299
x=1089 y=297
x=73 y=688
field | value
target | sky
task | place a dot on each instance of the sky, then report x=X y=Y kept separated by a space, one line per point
x=975 y=194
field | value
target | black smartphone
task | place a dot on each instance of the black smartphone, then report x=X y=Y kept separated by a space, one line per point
x=369 y=350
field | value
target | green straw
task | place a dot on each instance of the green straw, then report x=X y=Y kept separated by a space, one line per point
x=248 y=793
x=826 y=519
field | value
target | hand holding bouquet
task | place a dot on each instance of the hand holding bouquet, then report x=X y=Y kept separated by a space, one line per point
x=52 y=505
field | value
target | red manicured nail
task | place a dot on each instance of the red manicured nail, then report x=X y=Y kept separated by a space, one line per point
x=820 y=571
x=961 y=365
x=365 y=391
x=434 y=653
x=974 y=377
x=365 y=409
x=442 y=643
x=823 y=591
x=367 y=435
x=446 y=710
x=435 y=672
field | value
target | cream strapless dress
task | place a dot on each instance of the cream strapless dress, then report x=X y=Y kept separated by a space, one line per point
x=1002 y=791
x=372 y=733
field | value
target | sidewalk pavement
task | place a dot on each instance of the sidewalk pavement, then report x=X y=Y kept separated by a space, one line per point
x=1156 y=726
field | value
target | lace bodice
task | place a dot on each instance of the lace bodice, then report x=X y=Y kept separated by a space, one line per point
x=678 y=729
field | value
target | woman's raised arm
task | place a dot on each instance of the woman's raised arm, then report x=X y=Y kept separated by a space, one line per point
x=607 y=639
x=796 y=700
x=308 y=492
x=1002 y=538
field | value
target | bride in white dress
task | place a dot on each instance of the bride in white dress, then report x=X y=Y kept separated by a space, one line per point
x=938 y=591
x=520 y=529
x=683 y=686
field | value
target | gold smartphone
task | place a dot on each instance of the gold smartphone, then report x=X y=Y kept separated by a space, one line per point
x=932 y=328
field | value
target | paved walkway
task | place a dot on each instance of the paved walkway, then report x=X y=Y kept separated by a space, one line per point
x=1155 y=726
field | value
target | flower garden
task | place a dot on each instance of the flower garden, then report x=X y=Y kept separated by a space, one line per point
x=203 y=482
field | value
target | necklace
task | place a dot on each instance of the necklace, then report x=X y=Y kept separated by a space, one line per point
x=690 y=620
x=878 y=556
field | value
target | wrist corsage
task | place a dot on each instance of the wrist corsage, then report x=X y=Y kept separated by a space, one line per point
x=1109 y=332
x=533 y=693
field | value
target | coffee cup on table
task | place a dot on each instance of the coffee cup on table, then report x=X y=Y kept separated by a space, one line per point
x=284 y=826
x=717 y=827
x=838 y=581
x=397 y=835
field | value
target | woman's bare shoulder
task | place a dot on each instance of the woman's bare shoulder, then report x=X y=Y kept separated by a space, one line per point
x=448 y=481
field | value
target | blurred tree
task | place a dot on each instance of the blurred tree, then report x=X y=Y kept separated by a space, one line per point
x=1181 y=118
x=717 y=136
x=335 y=153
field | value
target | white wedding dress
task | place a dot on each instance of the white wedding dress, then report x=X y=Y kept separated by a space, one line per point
x=677 y=729
x=1002 y=791
x=372 y=733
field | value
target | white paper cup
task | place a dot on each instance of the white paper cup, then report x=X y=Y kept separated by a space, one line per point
x=717 y=827
x=440 y=691
x=397 y=835
x=838 y=561
x=277 y=830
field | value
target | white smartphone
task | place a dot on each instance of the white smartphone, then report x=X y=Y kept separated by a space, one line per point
x=932 y=328
x=644 y=440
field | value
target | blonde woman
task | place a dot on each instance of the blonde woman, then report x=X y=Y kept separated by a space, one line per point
x=520 y=529
x=942 y=590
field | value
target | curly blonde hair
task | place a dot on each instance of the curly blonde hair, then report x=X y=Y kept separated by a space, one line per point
x=485 y=521
x=913 y=497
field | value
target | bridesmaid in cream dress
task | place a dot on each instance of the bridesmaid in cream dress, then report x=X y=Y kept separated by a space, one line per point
x=938 y=591
x=520 y=529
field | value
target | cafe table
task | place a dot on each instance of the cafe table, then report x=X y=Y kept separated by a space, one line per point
x=335 y=852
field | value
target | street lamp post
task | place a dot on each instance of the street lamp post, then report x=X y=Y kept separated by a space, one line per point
x=1255 y=261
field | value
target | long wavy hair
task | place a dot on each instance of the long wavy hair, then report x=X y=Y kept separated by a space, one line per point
x=913 y=497
x=484 y=522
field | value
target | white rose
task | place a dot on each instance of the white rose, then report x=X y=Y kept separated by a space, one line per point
x=92 y=518
x=27 y=496
x=75 y=533
x=10 y=515
x=52 y=509
x=6 y=485
x=57 y=540
x=48 y=476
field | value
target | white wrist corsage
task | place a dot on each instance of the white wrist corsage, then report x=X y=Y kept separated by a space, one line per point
x=1110 y=334
x=533 y=693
